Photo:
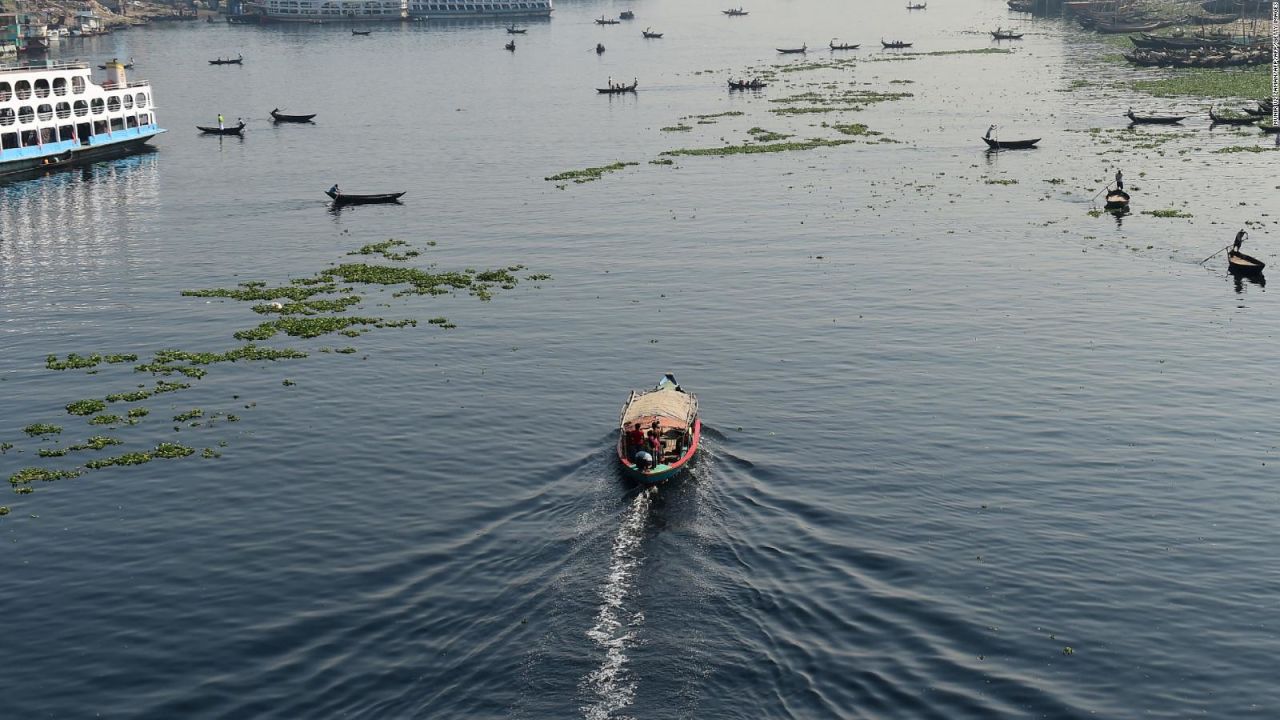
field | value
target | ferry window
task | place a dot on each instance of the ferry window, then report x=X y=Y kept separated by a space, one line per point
x=145 y=118
x=23 y=89
x=6 y=91
x=113 y=103
x=97 y=105
x=64 y=110
x=131 y=121
x=82 y=108
x=6 y=116
x=142 y=99
x=26 y=114
x=42 y=88
x=117 y=124
x=45 y=112
x=128 y=102
x=99 y=127
x=9 y=140
x=66 y=132
x=60 y=86
x=77 y=85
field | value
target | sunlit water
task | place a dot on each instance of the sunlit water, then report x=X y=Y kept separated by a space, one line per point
x=971 y=451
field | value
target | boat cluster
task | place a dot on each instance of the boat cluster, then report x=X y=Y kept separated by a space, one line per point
x=1205 y=56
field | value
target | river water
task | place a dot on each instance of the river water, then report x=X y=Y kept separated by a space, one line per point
x=971 y=451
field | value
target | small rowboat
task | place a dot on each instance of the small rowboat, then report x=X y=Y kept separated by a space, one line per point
x=841 y=46
x=1154 y=119
x=895 y=44
x=374 y=199
x=602 y=20
x=228 y=61
x=792 y=51
x=233 y=130
x=618 y=89
x=280 y=117
x=731 y=12
x=1216 y=119
x=917 y=6
x=1010 y=144
x=511 y=46
x=1270 y=129
x=513 y=30
x=1002 y=35
x=746 y=84
x=1240 y=263
x=1117 y=199
x=361 y=32
x=651 y=35
x=673 y=414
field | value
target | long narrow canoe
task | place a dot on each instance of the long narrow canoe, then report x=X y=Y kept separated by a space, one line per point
x=372 y=199
x=1154 y=119
x=281 y=117
x=233 y=130
x=1010 y=144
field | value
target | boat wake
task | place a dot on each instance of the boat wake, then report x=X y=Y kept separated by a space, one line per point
x=610 y=683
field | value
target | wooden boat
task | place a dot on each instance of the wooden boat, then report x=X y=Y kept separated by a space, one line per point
x=792 y=51
x=1222 y=19
x=618 y=89
x=746 y=84
x=228 y=61
x=602 y=20
x=917 y=6
x=1244 y=264
x=513 y=30
x=1122 y=27
x=1154 y=119
x=999 y=34
x=626 y=15
x=841 y=46
x=511 y=46
x=1010 y=144
x=1025 y=6
x=1270 y=129
x=280 y=117
x=230 y=130
x=673 y=414
x=650 y=34
x=340 y=198
x=1117 y=199
x=731 y=12
x=895 y=44
x=360 y=32
x=1216 y=119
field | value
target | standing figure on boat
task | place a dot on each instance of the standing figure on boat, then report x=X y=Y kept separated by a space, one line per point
x=335 y=189
x=1240 y=238
x=635 y=440
x=1119 y=180
x=989 y=131
x=222 y=124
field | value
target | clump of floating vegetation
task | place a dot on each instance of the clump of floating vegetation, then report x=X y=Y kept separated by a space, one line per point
x=1210 y=83
x=1244 y=148
x=38 y=429
x=588 y=174
x=26 y=476
x=86 y=407
x=1170 y=213
x=188 y=415
x=309 y=307
x=84 y=362
x=171 y=450
x=138 y=412
x=4 y=510
x=713 y=116
x=855 y=129
x=677 y=128
x=990 y=181
x=759 y=134
x=106 y=419
x=659 y=161
x=297 y=292
x=384 y=249
x=980 y=51
x=753 y=149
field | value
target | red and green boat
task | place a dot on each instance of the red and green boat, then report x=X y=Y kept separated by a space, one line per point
x=670 y=413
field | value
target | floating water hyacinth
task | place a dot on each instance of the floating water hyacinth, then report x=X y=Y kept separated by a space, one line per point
x=590 y=174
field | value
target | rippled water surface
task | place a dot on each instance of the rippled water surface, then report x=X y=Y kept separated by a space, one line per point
x=971 y=451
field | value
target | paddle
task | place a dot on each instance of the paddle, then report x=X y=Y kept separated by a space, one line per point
x=1211 y=256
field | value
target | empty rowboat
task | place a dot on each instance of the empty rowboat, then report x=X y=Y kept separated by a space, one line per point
x=1154 y=119
x=280 y=117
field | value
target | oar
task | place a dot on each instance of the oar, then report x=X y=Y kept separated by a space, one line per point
x=1211 y=256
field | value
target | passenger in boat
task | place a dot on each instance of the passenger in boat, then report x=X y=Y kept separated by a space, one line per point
x=644 y=461
x=635 y=439
x=655 y=441
x=1119 y=180
x=335 y=189
x=1240 y=238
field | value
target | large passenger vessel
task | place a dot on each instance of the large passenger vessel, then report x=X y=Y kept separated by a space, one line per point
x=319 y=11
x=54 y=115
x=444 y=9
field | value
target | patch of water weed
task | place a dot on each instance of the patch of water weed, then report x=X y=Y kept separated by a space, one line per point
x=88 y=406
x=677 y=128
x=309 y=307
x=5 y=447
x=979 y=51
x=759 y=134
x=384 y=249
x=713 y=116
x=4 y=510
x=106 y=419
x=1169 y=213
x=442 y=322
x=258 y=291
x=133 y=458
x=590 y=174
x=73 y=362
x=210 y=453
x=188 y=415
x=28 y=475
x=38 y=429
x=1209 y=83
x=659 y=161
x=1245 y=148
x=753 y=149
x=855 y=129
x=990 y=181
x=168 y=450
x=1055 y=181
x=309 y=327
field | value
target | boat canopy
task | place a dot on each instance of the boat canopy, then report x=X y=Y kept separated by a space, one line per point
x=665 y=402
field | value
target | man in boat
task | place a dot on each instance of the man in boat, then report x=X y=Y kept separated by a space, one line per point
x=1119 y=180
x=1240 y=238
x=221 y=122
x=335 y=190
x=989 y=131
x=634 y=440
x=644 y=461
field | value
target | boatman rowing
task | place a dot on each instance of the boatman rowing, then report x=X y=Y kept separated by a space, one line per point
x=1119 y=180
x=221 y=122
x=1240 y=238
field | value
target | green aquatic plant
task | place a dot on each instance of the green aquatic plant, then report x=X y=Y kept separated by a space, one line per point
x=258 y=291
x=713 y=116
x=1170 y=213
x=979 y=51
x=37 y=429
x=384 y=249
x=29 y=475
x=659 y=161
x=753 y=149
x=106 y=419
x=1209 y=83
x=990 y=181
x=133 y=458
x=759 y=134
x=73 y=362
x=677 y=128
x=168 y=450
x=134 y=396
x=86 y=407
x=855 y=129
x=1245 y=148
x=309 y=307
x=587 y=175
x=188 y=415
x=4 y=510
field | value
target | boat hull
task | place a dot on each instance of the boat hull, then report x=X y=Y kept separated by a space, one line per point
x=1011 y=144
x=1238 y=262
x=664 y=471
x=74 y=157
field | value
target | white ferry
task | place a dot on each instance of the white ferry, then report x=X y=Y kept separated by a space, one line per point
x=444 y=9
x=54 y=115
x=319 y=11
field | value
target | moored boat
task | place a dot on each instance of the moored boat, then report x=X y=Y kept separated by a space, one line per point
x=627 y=15
x=71 y=120
x=747 y=84
x=237 y=60
x=1154 y=119
x=650 y=34
x=513 y=30
x=735 y=12
x=1241 y=263
x=602 y=20
x=360 y=32
x=1216 y=119
x=341 y=198
x=670 y=414
x=1000 y=34
x=281 y=117
x=1010 y=144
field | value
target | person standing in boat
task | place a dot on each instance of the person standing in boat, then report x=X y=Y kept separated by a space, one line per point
x=1119 y=179
x=221 y=122
x=989 y=131
x=1240 y=238
x=634 y=440
x=655 y=441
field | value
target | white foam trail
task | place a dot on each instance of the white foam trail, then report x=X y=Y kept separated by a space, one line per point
x=612 y=685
